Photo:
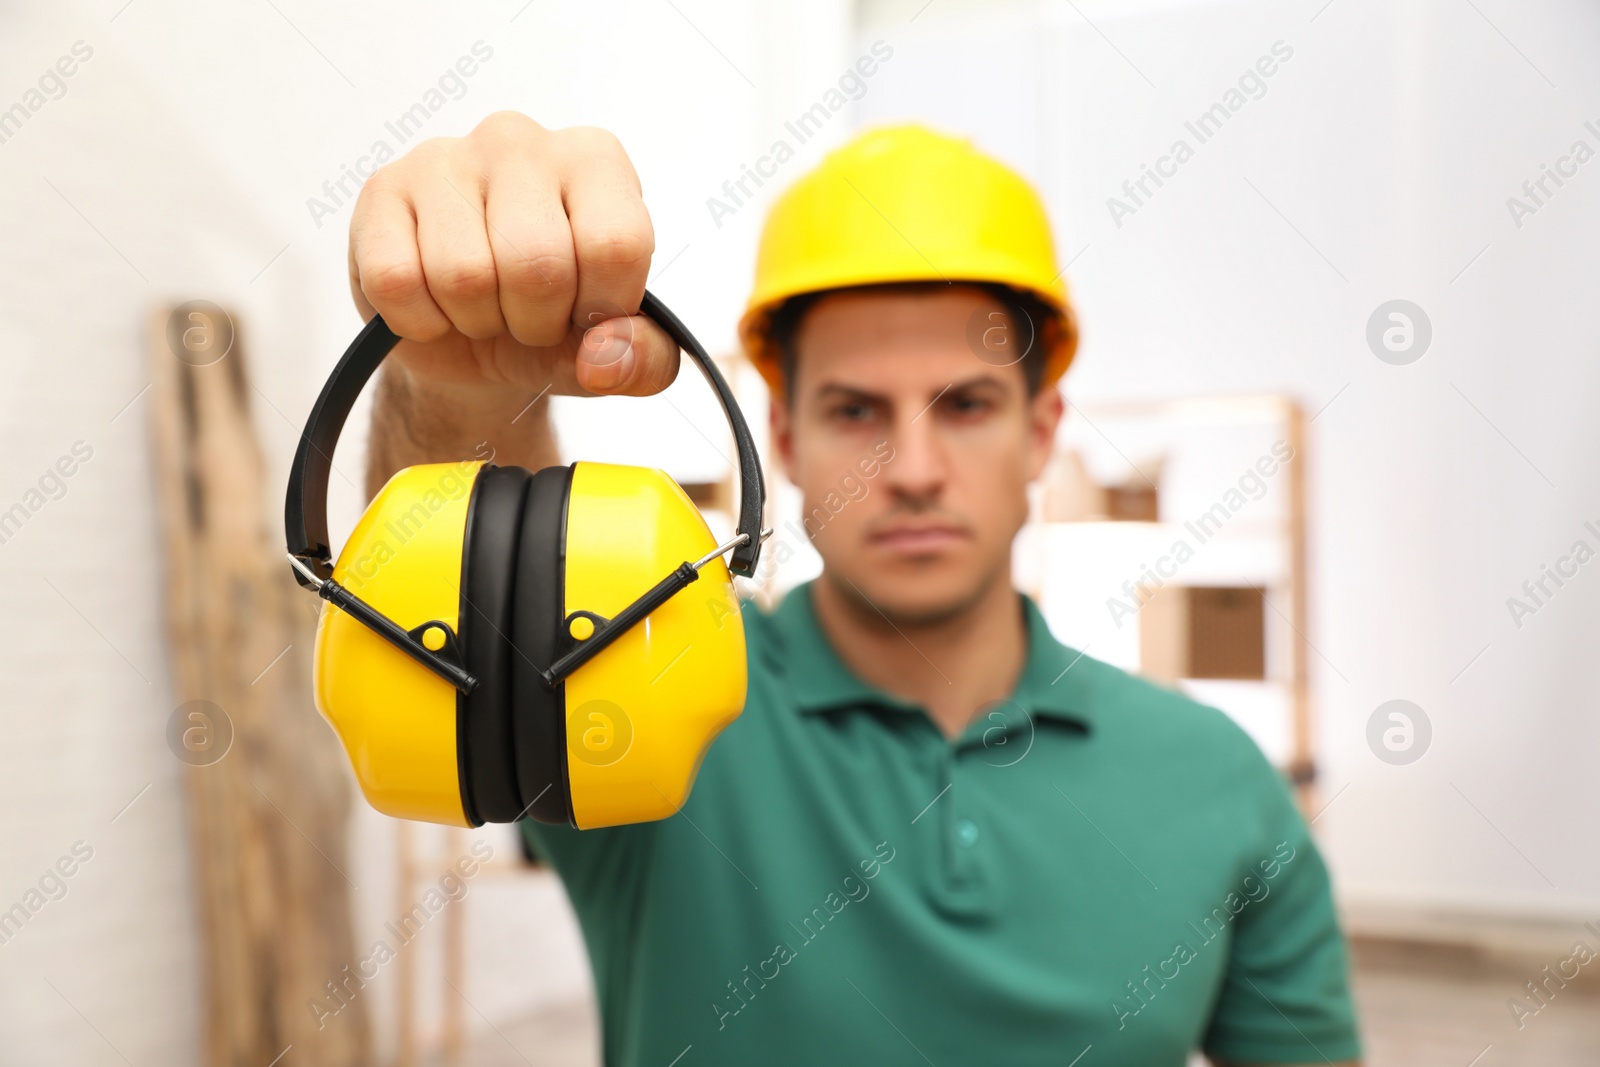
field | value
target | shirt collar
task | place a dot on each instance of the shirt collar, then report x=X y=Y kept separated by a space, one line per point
x=1057 y=683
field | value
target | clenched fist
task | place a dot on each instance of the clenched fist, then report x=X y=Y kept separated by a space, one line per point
x=512 y=259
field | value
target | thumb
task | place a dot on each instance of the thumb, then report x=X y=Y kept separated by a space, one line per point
x=627 y=356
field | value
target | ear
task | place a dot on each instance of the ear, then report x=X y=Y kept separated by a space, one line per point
x=1044 y=418
x=780 y=424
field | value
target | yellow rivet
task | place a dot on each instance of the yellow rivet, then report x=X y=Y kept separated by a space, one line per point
x=433 y=639
x=582 y=628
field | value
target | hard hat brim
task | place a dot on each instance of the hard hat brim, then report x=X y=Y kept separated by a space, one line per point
x=1060 y=334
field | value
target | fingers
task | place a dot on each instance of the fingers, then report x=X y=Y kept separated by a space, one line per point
x=611 y=231
x=519 y=235
x=386 y=273
x=532 y=244
x=453 y=239
x=627 y=356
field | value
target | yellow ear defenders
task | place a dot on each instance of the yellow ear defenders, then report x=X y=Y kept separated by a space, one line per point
x=498 y=643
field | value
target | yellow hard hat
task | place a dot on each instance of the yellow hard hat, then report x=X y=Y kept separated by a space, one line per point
x=904 y=204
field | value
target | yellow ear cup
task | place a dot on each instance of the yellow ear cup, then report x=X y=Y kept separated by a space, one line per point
x=396 y=719
x=641 y=714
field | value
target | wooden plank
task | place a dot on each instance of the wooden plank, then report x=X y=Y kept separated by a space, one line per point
x=268 y=812
x=406 y=997
x=1302 y=759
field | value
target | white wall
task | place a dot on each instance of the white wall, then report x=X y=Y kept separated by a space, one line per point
x=1390 y=141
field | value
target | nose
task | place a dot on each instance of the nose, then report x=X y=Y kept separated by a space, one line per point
x=920 y=466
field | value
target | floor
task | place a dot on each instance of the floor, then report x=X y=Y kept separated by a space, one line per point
x=1428 y=1005
x=558 y=1038
x=1421 y=1006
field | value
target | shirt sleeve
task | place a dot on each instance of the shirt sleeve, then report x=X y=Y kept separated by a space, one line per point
x=1286 y=995
x=598 y=867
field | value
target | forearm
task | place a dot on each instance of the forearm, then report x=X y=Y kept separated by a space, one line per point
x=417 y=421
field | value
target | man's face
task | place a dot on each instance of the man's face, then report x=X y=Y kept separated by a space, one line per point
x=913 y=454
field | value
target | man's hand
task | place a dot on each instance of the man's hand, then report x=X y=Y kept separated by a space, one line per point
x=511 y=262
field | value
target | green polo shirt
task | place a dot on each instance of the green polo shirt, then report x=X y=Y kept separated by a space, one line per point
x=1097 y=868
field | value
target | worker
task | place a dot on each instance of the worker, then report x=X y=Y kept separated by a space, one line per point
x=935 y=835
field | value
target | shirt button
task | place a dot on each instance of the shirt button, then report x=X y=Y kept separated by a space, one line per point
x=966 y=832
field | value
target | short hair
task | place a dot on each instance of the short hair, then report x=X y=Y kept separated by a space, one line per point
x=1019 y=306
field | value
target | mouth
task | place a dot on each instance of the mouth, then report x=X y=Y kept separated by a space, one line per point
x=918 y=539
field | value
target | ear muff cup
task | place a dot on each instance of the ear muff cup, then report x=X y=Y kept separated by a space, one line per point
x=485 y=755
x=538 y=710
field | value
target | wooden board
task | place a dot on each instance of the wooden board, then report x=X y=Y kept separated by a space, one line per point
x=268 y=819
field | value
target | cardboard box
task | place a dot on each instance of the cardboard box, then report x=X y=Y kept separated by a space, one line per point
x=1203 y=632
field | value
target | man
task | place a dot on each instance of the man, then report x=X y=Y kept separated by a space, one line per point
x=935 y=835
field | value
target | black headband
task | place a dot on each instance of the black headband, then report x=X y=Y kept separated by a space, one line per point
x=305 y=513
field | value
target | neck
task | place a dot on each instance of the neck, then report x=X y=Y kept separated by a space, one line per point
x=952 y=667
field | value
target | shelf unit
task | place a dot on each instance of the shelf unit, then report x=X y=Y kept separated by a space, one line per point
x=1069 y=561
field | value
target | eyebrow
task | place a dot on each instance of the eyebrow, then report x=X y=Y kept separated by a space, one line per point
x=827 y=389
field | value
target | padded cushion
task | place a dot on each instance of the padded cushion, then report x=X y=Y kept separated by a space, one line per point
x=538 y=711
x=483 y=729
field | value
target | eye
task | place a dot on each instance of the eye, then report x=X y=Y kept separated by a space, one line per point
x=964 y=404
x=852 y=411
